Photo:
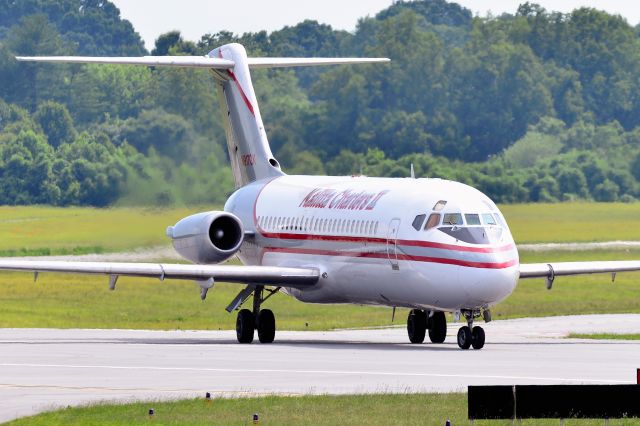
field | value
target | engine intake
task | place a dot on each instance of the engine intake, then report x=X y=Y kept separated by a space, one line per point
x=209 y=237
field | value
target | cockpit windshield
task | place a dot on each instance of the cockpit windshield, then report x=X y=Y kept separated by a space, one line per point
x=452 y=219
x=472 y=219
x=488 y=219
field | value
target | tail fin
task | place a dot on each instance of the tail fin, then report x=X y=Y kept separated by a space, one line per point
x=249 y=151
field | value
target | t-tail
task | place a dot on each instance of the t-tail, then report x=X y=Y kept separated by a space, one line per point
x=249 y=151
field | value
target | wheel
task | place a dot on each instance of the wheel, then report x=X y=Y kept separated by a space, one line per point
x=417 y=325
x=477 y=337
x=245 y=324
x=266 y=326
x=464 y=337
x=438 y=327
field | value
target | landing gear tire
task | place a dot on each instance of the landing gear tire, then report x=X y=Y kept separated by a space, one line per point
x=477 y=337
x=464 y=337
x=266 y=326
x=437 y=327
x=245 y=324
x=417 y=325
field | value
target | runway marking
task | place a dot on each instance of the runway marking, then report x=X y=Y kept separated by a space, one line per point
x=335 y=372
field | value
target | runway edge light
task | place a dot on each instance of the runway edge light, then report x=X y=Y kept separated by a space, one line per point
x=256 y=419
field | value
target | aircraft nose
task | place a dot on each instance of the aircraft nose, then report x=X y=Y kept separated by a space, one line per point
x=489 y=286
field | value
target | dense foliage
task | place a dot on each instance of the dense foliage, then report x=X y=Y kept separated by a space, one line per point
x=534 y=106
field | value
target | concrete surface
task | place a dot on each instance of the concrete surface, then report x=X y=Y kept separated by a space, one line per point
x=43 y=369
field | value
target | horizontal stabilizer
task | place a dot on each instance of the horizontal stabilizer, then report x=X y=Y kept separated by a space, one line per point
x=150 y=61
x=201 y=61
x=308 y=62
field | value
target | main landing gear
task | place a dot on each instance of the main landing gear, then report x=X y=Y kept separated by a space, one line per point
x=420 y=321
x=262 y=320
x=468 y=335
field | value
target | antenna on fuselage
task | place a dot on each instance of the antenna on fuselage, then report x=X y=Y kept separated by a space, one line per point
x=413 y=173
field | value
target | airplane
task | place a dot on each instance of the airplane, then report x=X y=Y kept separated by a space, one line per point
x=430 y=245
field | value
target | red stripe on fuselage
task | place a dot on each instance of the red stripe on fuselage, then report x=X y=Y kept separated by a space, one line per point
x=446 y=261
x=412 y=243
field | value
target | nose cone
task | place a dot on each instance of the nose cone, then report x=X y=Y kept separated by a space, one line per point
x=489 y=286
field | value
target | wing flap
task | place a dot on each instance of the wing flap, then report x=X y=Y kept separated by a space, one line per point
x=550 y=270
x=263 y=275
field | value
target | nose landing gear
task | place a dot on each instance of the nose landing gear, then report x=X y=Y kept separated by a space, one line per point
x=470 y=336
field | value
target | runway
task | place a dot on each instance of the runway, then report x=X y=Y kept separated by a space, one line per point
x=41 y=369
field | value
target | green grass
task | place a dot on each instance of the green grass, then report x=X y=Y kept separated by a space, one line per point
x=39 y=230
x=66 y=301
x=573 y=222
x=605 y=336
x=74 y=301
x=379 y=409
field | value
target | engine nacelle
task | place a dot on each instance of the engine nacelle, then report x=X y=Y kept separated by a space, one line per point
x=209 y=237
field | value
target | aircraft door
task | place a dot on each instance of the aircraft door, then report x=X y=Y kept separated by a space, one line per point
x=392 y=243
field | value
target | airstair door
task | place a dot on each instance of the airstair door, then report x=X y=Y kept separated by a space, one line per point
x=392 y=243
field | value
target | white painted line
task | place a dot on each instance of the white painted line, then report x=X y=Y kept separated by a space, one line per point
x=334 y=372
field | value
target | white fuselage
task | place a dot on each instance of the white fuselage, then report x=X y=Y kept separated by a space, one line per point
x=381 y=241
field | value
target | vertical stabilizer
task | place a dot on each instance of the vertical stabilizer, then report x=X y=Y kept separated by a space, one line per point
x=249 y=151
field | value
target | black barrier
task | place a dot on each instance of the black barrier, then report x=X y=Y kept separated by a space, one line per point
x=554 y=401
x=579 y=401
x=491 y=402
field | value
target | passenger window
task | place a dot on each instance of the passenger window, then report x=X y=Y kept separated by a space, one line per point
x=439 y=205
x=472 y=219
x=452 y=219
x=434 y=220
x=418 y=221
x=375 y=229
x=488 y=219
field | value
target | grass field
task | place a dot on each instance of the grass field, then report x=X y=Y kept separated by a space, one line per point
x=605 y=336
x=386 y=409
x=72 y=301
x=68 y=301
x=48 y=230
x=78 y=230
x=573 y=222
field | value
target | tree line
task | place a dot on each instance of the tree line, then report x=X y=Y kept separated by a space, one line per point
x=531 y=106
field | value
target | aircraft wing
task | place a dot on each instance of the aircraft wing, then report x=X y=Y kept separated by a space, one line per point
x=549 y=271
x=252 y=275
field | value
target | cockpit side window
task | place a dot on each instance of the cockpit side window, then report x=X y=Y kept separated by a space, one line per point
x=439 y=205
x=452 y=219
x=418 y=221
x=434 y=220
x=500 y=220
x=488 y=219
x=472 y=219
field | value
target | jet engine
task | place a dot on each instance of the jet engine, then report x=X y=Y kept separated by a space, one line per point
x=209 y=237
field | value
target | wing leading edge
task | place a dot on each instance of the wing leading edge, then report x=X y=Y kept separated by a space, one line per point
x=549 y=271
x=256 y=275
